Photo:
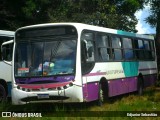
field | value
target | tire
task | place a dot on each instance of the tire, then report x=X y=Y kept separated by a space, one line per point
x=100 y=96
x=103 y=93
x=3 y=93
x=140 y=86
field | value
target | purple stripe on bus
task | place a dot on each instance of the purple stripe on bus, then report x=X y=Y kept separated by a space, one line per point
x=116 y=87
x=147 y=69
x=122 y=86
x=43 y=79
x=95 y=74
x=40 y=86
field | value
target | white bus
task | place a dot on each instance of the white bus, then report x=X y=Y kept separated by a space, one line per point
x=5 y=66
x=74 y=62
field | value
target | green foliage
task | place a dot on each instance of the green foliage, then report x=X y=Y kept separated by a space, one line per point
x=154 y=12
x=154 y=21
x=107 y=13
x=117 y=14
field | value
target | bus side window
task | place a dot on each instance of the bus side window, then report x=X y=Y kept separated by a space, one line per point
x=104 y=54
x=147 y=52
x=103 y=45
x=128 y=49
x=139 y=49
x=116 y=48
x=152 y=49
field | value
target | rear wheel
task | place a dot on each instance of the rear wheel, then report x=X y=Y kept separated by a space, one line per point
x=140 y=86
x=3 y=93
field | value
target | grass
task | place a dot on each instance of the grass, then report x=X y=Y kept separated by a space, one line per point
x=116 y=108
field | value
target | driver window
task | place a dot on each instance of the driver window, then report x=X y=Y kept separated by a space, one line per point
x=87 y=47
x=87 y=51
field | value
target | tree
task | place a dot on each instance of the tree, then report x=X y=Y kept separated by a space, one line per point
x=154 y=21
x=154 y=17
x=117 y=14
x=6 y=16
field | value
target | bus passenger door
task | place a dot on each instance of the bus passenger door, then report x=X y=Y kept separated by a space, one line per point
x=87 y=62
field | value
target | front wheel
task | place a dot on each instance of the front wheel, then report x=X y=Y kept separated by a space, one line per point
x=3 y=93
x=103 y=93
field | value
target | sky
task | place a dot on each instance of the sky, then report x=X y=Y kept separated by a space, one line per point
x=142 y=26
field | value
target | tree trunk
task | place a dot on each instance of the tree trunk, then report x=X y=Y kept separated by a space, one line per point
x=157 y=41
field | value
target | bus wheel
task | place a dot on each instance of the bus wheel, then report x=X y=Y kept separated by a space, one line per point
x=140 y=86
x=3 y=93
x=103 y=93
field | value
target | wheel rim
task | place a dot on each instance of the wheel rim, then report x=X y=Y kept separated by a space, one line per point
x=101 y=95
x=140 y=86
x=140 y=90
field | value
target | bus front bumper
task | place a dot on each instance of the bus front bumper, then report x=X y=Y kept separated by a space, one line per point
x=20 y=97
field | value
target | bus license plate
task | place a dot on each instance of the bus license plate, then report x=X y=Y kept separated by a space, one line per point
x=42 y=96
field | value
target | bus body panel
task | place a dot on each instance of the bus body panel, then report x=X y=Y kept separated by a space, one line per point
x=5 y=71
x=5 y=66
x=60 y=96
x=121 y=76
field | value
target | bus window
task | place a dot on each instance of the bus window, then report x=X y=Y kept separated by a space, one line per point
x=127 y=43
x=116 y=42
x=87 y=51
x=148 y=52
x=140 y=44
x=117 y=54
x=103 y=45
x=116 y=48
x=128 y=51
x=139 y=49
x=152 y=49
x=87 y=46
x=146 y=45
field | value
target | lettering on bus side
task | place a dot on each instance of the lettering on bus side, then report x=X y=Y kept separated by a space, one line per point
x=114 y=72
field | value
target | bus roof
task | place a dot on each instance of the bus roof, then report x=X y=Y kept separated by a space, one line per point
x=7 y=33
x=95 y=28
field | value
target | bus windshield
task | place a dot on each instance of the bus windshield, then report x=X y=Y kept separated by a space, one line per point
x=45 y=58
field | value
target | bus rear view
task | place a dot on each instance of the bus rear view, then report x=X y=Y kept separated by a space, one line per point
x=44 y=64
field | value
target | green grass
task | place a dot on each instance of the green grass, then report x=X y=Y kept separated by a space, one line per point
x=111 y=110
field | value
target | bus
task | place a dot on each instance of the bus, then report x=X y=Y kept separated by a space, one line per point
x=5 y=66
x=75 y=62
